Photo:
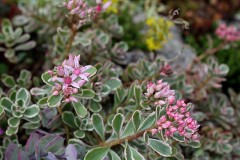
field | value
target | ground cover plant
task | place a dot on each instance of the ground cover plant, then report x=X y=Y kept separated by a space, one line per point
x=90 y=80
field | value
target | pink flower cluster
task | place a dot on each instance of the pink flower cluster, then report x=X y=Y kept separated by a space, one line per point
x=177 y=118
x=166 y=70
x=228 y=33
x=69 y=77
x=84 y=12
x=159 y=91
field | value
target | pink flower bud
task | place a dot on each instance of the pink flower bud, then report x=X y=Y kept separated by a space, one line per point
x=55 y=93
x=154 y=131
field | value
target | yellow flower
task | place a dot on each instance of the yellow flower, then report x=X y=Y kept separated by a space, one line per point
x=158 y=32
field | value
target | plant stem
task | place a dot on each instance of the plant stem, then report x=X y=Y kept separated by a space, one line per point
x=43 y=20
x=205 y=54
x=129 y=138
x=65 y=126
x=69 y=44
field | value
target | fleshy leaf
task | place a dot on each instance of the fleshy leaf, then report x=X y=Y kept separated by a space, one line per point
x=71 y=152
x=80 y=109
x=54 y=101
x=136 y=119
x=23 y=94
x=114 y=83
x=45 y=77
x=97 y=153
x=98 y=125
x=31 y=111
x=117 y=123
x=13 y=122
x=91 y=71
x=162 y=148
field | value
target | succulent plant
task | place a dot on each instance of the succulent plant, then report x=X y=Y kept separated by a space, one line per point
x=17 y=107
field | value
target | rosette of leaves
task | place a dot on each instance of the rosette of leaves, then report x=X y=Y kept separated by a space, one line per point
x=216 y=140
x=143 y=70
x=112 y=25
x=218 y=109
x=19 y=111
x=41 y=16
x=24 y=80
x=14 y=40
x=42 y=147
x=207 y=77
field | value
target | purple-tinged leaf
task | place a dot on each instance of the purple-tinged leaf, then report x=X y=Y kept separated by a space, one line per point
x=51 y=156
x=71 y=152
x=13 y=152
x=32 y=143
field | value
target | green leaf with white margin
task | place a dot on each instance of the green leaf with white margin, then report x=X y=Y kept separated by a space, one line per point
x=162 y=148
x=6 y=103
x=98 y=125
x=68 y=118
x=117 y=124
x=13 y=122
x=128 y=153
x=129 y=129
x=227 y=148
x=11 y=131
x=54 y=101
x=31 y=111
x=98 y=153
x=91 y=71
x=38 y=91
x=1 y=111
x=194 y=144
x=148 y=122
x=137 y=94
x=80 y=109
x=45 y=77
x=87 y=94
x=113 y=156
x=136 y=119
x=178 y=137
x=95 y=106
x=136 y=154
x=23 y=94
x=8 y=80
x=79 y=134
x=31 y=125
x=25 y=46
x=42 y=102
x=114 y=83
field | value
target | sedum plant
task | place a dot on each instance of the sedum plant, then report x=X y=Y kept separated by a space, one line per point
x=123 y=101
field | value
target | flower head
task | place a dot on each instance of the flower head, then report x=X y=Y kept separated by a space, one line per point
x=69 y=78
x=228 y=33
x=158 y=32
x=177 y=119
x=83 y=11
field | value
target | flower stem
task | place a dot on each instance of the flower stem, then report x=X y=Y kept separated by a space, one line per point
x=205 y=54
x=65 y=126
x=129 y=138
x=69 y=44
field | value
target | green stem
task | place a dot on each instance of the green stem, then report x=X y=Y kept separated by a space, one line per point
x=205 y=54
x=65 y=126
x=71 y=39
x=38 y=18
x=129 y=138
